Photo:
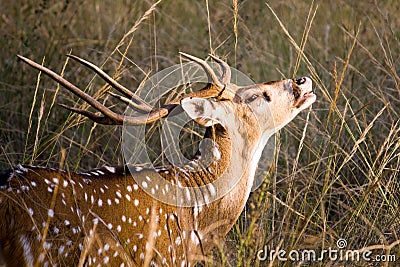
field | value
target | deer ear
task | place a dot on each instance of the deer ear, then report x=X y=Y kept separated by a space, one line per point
x=203 y=111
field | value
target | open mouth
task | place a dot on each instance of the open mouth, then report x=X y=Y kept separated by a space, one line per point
x=308 y=94
x=302 y=91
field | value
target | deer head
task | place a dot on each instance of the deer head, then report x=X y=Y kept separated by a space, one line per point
x=121 y=215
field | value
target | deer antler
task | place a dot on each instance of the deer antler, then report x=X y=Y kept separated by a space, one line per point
x=220 y=89
x=226 y=70
x=140 y=105
x=217 y=89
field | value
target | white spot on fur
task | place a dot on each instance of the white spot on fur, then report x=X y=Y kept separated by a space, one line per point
x=61 y=250
x=188 y=194
x=211 y=188
x=46 y=245
x=216 y=152
x=25 y=188
x=22 y=168
x=110 y=169
x=195 y=211
x=27 y=253
x=194 y=238
x=138 y=169
x=50 y=212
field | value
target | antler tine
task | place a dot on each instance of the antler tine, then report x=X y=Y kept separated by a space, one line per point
x=140 y=105
x=210 y=72
x=226 y=69
x=139 y=120
x=110 y=117
x=122 y=99
x=218 y=89
x=125 y=100
x=92 y=116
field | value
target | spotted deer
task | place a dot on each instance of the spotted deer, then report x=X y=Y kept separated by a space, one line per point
x=106 y=217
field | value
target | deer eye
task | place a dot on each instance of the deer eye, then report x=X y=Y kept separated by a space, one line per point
x=252 y=98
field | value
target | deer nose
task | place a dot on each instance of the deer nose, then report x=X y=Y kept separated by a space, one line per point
x=300 y=81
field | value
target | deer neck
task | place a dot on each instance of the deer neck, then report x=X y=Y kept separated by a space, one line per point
x=219 y=153
x=233 y=203
x=238 y=158
x=246 y=155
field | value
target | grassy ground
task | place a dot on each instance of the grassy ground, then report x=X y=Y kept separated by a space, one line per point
x=337 y=173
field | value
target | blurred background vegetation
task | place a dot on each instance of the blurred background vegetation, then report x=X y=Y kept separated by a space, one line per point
x=337 y=173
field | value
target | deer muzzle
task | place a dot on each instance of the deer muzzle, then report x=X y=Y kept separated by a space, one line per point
x=302 y=91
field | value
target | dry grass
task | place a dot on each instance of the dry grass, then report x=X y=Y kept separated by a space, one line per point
x=337 y=173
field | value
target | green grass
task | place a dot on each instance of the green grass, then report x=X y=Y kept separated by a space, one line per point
x=336 y=174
